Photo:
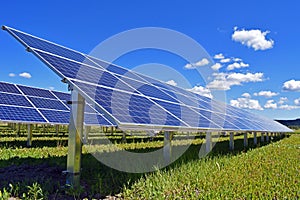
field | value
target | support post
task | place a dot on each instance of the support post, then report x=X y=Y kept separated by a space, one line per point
x=74 y=141
x=124 y=137
x=245 y=139
x=167 y=147
x=231 y=141
x=29 y=135
x=57 y=129
x=86 y=132
x=18 y=129
x=267 y=137
x=262 y=137
x=255 y=138
x=208 y=142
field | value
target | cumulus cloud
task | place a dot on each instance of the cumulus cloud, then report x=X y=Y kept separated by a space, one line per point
x=283 y=100
x=237 y=65
x=270 y=104
x=225 y=60
x=246 y=103
x=25 y=75
x=51 y=88
x=200 y=63
x=171 y=82
x=216 y=66
x=246 y=95
x=224 y=81
x=267 y=94
x=291 y=85
x=219 y=56
x=11 y=74
x=254 y=38
x=297 y=102
x=201 y=91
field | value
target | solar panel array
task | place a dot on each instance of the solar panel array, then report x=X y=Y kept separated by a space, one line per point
x=25 y=104
x=135 y=100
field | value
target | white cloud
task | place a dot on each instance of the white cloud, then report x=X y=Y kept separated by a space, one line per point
x=200 y=63
x=297 y=102
x=246 y=95
x=254 y=38
x=282 y=100
x=171 y=82
x=237 y=59
x=291 y=85
x=225 y=60
x=267 y=94
x=236 y=65
x=51 y=88
x=288 y=107
x=201 y=91
x=11 y=75
x=224 y=81
x=246 y=103
x=219 y=56
x=216 y=66
x=25 y=75
x=270 y=105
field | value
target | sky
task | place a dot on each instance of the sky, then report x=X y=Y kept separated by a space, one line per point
x=251 y=48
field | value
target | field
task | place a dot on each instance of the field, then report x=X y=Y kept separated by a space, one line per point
x=270 y=171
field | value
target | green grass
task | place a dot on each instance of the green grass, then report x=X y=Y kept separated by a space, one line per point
x=271 y=171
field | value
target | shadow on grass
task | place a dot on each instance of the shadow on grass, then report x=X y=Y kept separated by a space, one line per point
x=97 y=179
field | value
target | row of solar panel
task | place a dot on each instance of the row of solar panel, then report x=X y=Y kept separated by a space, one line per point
x=27 y=104
x=133 y=98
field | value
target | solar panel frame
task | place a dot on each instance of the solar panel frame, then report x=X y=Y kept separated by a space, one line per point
x=67 y=52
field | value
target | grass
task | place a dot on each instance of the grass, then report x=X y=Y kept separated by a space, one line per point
x=271 y=171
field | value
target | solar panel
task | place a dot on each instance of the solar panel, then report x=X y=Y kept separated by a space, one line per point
x=19 y=103
x=135 y=100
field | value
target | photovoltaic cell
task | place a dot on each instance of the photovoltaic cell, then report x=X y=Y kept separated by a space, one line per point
x=43 y=104
x=9 y=113
x=10 y=88
x=135 y=99
x=13 y=99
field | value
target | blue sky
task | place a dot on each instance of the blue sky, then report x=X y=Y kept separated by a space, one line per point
x=256 y=44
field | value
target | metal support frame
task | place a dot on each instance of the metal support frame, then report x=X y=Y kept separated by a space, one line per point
x=262 y=137
x=245 y=139
x=124 y=137
x=57 y=129
x=18 y=129
x=255 y=138
x=267 y=137
x=167 y=147
x=231 y=141
x=29 y=135
x=208 y=142
x=74 y=141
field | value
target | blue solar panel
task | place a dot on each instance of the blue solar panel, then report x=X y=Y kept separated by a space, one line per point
x=45 y=45
x=92 y=119
x=53 y=108
x=36 y=92
x=10 y=88
x=134 y=99
x=55 y=116
x=9 y=113
x=48 y=103
x=13 y=99
x=62 y=96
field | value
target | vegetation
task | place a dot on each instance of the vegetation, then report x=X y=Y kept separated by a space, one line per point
x=271 y=171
